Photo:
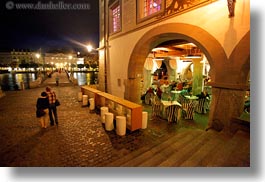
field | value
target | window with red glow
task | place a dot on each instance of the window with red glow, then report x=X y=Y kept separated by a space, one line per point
x=151 y=7
x=116 y=18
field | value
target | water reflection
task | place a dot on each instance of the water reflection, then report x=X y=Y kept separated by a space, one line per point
x=12 y=81
x=86 y=78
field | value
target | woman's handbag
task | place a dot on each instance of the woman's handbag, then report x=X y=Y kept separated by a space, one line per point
x=57 y=102
x=40 y=113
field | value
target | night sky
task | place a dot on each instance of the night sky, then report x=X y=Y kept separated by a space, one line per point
x=48 y=29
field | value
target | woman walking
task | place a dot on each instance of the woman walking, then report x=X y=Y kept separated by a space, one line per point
x=43 y=110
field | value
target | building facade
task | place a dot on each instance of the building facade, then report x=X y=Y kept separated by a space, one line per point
x=131 y=29
x=60 y=59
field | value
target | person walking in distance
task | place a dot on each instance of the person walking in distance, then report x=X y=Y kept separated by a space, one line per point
x=57 y=78
x=52 y=107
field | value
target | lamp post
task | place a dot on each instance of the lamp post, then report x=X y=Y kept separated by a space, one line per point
x=89 y=48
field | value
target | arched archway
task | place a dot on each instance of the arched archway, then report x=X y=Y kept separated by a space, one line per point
x=204 y=41
x=228 y=75
x=229 y=87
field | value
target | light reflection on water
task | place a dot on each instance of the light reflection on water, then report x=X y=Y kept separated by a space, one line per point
x=86 y=78
x=12 y=81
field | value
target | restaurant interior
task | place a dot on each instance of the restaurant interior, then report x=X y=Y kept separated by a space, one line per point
x=175 y=85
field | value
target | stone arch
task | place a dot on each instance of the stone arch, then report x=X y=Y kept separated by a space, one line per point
x=241 y=57
x=230 y=85
x=206 y=42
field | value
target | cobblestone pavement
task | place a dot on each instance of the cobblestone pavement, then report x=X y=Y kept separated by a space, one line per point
x=79 y=140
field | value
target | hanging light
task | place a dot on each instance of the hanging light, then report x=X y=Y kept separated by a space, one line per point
x=148 y=65
x=158 y=62
x=173 y=63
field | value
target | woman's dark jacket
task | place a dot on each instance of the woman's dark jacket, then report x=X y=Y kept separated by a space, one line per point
x=42 y=103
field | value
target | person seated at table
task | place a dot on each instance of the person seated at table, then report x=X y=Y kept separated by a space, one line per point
x=180 y=86
x=247 y=102
x=173 y=85
x=203 y=94
x=149 y=96
x=159 y=92
x=150 y=90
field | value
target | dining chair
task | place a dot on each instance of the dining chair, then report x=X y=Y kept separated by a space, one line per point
x=148 y=98
x=188 y=111
x=172 y=113
x=156 y=106
x=200 y=108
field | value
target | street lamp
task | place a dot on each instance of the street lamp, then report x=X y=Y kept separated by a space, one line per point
x=89 y=48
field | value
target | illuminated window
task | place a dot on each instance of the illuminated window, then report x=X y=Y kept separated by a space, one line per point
x=149 y=8
x=115 y=15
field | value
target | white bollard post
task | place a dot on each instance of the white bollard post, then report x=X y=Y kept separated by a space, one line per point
x=121 y=125
x=103 y=110
x=79 y=96
x=85 y=100
x=109 y=121
x=144 y=119
x=92 y=104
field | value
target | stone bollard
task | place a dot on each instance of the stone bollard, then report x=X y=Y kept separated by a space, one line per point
x=144 y=119
x=92 y=104
x=121 y=125
x=103 y=110
x=85 y=100
x=109 y=121
x=79 y=96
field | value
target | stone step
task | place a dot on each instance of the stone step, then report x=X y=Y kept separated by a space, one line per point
x=196 y=159
x=164 y=152
x=181 y=154
x=235 y=152
x=128 y=157
x=136 y=161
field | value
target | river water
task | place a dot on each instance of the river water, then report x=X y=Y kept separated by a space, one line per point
x=12 y=81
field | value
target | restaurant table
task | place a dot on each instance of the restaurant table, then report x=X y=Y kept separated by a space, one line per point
x=175 y=94
x=193 y=97
x=165 y=104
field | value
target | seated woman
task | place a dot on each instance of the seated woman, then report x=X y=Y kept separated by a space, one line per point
x=204 y=102
x=149 y=95
x=203 y=94
x=159 y=92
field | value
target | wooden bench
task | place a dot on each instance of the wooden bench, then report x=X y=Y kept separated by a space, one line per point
x=118 y=106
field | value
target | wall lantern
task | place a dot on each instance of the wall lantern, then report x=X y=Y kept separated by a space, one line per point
x=231 y=7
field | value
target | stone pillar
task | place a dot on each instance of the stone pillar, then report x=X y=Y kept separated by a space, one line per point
x=226 y=103
x=132 y=94
x=197 y=76
x=147 y=80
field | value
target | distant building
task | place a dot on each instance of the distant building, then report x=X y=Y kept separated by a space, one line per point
x=18 y=55
x=5 y=58
x=60 y=59
x=26 y=55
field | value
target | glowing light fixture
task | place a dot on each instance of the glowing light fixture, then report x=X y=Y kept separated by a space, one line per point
x=37 y=55
x=148 y=65
x=158 y=62
x=89 y=48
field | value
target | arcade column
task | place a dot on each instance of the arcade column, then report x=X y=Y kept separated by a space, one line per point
x=197 y=82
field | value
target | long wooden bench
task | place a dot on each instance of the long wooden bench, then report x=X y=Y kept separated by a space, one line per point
x=118 y=106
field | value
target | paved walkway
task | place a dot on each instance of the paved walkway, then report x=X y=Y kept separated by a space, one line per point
x=80 y=138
